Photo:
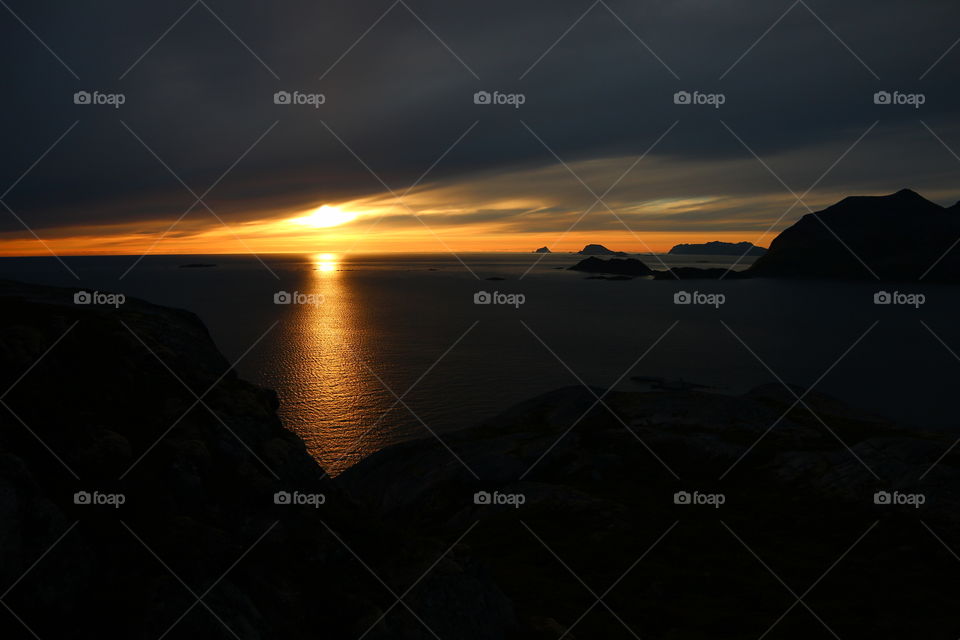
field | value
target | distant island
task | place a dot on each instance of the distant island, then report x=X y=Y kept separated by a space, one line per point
x=599 y=250
x=627 y=268
x=899 y=237
x=622 y=267
x=718 y=249
x=543 y=250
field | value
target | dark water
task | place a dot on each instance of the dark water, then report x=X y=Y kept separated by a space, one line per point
x=386 y=320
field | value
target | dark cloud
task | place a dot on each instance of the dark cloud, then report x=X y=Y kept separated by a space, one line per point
x=400 y=98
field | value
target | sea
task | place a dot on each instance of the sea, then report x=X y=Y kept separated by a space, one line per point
x=367 y=350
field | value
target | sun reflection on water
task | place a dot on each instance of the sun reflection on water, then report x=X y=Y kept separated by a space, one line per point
x=326 y=261
x=335 y=389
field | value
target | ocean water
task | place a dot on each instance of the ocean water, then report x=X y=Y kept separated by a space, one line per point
x=393 y=346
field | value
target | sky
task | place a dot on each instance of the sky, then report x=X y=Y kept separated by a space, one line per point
x=194 y=149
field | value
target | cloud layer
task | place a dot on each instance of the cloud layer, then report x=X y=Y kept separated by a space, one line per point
x=598 y=83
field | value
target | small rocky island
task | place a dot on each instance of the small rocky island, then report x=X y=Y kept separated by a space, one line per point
x=600 y=250
x=615 y=266
x=716 y=248
x=629 y=268
x=543 y=250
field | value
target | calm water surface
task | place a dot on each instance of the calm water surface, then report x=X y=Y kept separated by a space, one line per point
x=406 y=326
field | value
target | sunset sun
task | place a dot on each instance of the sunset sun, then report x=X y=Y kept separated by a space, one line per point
x=325 y=216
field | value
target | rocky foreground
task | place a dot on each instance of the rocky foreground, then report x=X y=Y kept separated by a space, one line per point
x=598 y=498
x=676 y=514
x=187 y=498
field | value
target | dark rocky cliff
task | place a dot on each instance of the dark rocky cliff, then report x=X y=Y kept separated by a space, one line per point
x=92 y=410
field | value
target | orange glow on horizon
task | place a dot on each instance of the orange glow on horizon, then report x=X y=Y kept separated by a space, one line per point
x=265 y=239
x=511 y=211
x=443 y=223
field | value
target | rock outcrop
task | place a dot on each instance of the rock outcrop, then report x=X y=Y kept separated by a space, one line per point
x=717 y=248
x=624 y=267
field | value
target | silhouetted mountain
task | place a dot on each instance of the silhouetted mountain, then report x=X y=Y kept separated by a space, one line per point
x=627 y=267
x=717 y=248
x=899 y=237
x=599 y=250
x=543 y=250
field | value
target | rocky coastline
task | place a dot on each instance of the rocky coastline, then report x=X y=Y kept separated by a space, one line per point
x=492 y=542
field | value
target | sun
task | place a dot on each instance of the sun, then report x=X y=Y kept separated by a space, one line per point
x=325 y=216
x=326 y=261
